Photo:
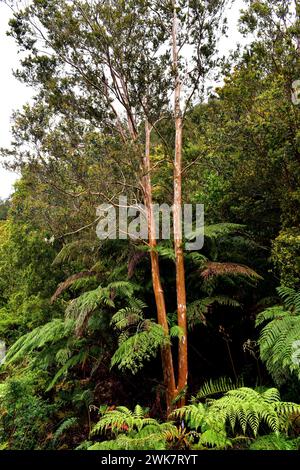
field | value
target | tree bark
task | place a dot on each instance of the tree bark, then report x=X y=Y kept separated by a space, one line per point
x=177 y=216
x=166 y=352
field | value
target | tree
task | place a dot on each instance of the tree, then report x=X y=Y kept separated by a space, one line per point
x=119 y=88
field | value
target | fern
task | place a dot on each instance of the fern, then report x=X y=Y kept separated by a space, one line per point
x=215 y=231
x=72 y=362
x=223 y=229
x=279 y=339
x=176 y=332
x=133 y=430
x=214 y=269
x=75 y=250
x=194 y=415
x=82 y=308
x=139 y=338
x=44 y=335
x=122 y=418
x=241 y=410
x=65 y=426
x=197 y=310
x=291 y=298
x=216 y=387
x=274 y=442
x=133 y=351
x=165 y=252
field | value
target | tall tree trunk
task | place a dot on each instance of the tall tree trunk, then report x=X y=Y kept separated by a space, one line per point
x=177 y=215
x=167 y=360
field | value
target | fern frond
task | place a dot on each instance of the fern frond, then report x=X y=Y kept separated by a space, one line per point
x=176 y=332
x=72 y=362
x=74 y=250
x=135 y=350
x=220 y=230
x=215 y=387
x=49 y=333
x=68 y=282
x=274 y=442
x=214 y=269
x=165 y=252
x=84 y=306
x=197 y=310
x=291 y=298
x=279 y=339
x=65 y=426
x=194 y=415
x=122 y=419
x=270 y=314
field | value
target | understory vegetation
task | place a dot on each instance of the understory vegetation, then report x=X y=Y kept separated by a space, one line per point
x=126 y=344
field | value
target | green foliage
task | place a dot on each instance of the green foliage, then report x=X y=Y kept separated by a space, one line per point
x=36 y=339
x=67 y=424
x=25 y=418
x=139 y=338
x=68 y=313
x=279 y=338
x=84 y=306
x=198 y=310
x=133 y=430
x=286 y=257
x=274 y=442
x=215 y=387
x=240 y=412
x=4 y=208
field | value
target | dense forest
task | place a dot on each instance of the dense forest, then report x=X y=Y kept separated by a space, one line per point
x=130 y=344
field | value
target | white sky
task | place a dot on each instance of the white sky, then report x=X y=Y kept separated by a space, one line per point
x=13 y=94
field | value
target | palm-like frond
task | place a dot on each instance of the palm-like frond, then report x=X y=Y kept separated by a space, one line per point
x=134 y=350
x=197 y=310
x=75 y=250
x=216 y=387
x=123 y=419
x=214 y=231
x=290 y=297
x=39 y=337
x=68 y=282
x=86 y=304
x=214 y=269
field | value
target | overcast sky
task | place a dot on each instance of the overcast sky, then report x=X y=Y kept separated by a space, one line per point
x=13 y=95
